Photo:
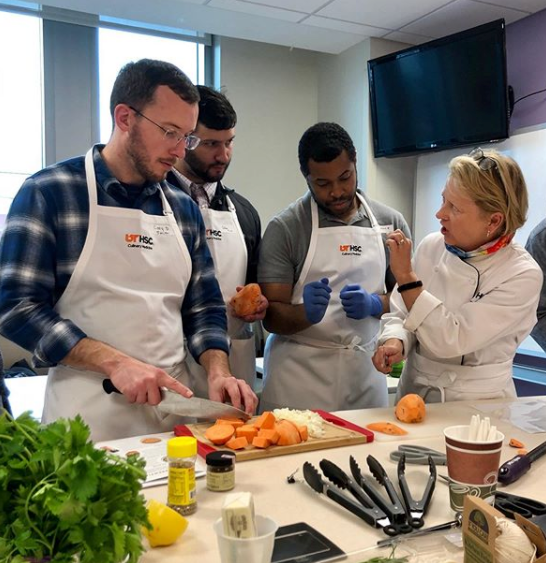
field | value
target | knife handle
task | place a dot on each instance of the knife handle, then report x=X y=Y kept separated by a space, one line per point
x=109 y=387
x=513 y=469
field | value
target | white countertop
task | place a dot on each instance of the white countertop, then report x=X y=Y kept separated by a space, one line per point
x=287 y=504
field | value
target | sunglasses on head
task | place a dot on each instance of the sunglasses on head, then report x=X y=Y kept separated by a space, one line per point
x=484 y=162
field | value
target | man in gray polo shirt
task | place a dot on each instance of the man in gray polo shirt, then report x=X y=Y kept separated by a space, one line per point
x=324 y=269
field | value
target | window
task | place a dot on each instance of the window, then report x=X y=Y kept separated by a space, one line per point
x=21 y=114
x=117 y=48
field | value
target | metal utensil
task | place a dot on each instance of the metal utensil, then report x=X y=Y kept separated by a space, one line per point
x=317 y=483
x=339 y=478
x=392 y=508
x=416 y=508
x=423 y=531
x=195 y=407
x=418 y=455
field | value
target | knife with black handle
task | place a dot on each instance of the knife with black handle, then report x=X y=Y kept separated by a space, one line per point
x=315 y=481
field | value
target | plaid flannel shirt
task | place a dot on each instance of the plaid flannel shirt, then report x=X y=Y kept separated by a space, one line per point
x=43 y=238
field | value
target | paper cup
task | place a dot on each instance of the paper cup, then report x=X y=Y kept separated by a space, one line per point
x=246 y=550
x=472 y=466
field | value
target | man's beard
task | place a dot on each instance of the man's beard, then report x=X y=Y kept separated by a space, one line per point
x=141 y=160
x=201 y=171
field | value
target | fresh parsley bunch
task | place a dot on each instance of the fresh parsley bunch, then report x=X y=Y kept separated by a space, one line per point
x=63 y=500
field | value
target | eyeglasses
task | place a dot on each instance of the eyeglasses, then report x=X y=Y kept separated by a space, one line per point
x=191 y=142
x=484 y=162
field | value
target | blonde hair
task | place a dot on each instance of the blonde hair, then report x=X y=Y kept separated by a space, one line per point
x=501 y=189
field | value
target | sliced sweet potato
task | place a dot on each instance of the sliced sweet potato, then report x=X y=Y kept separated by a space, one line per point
x=522 y=451
x=237 y=443
x=288 y=433
x=219 y=434
x=265 y=421
x=516 y=443
x=235 y=422
x=261 y=442
x=270 y=434
x=248 y=431
x=304 y=433
x=246 y=301
x=386 y=428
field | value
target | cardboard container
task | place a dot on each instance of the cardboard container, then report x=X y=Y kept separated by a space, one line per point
x=480 y=532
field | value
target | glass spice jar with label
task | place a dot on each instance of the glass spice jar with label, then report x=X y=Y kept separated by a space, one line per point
x=181 y=454
x=220 y=471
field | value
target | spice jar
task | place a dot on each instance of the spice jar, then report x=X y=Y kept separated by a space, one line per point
x=181 y=454
x=220 y=471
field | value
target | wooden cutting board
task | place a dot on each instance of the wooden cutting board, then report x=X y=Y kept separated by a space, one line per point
x=343 y=433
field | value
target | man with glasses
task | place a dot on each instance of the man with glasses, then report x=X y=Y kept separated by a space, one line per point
x=324 y=269
x=232 y=223
x=105 y=268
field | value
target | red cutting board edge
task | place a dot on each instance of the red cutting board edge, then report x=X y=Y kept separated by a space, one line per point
x=338 y=432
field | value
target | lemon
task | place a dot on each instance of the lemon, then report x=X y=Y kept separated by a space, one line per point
x=167 y=524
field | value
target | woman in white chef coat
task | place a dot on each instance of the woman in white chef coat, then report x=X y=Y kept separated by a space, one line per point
x=469 y=298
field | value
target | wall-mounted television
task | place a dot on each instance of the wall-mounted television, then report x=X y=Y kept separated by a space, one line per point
x=442 y=94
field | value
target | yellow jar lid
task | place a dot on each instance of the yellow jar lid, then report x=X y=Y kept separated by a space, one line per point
x=183 y=446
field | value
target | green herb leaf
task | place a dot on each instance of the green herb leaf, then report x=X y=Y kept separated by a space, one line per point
x=60 y=496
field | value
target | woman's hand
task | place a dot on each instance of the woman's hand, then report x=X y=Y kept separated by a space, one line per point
x=391 y=352
x=400 y=257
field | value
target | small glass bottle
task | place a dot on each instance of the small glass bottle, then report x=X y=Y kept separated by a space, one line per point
x=220 y=471
x=182 y=453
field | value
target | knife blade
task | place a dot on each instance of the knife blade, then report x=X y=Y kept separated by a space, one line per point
x=173 y=403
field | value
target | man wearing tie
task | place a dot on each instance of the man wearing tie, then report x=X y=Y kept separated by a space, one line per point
x=232 y=223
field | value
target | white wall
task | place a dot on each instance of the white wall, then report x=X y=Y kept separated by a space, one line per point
x=278 y=93
x=344 y=98
x=274 y=91
x=343 y=90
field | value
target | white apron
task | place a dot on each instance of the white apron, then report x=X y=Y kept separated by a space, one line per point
x=328 y=365
x=440 y=382
x=455 y=283
x=226 y=243
x=126 y=290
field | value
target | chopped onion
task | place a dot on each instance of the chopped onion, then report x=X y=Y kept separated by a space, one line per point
x=313 y=421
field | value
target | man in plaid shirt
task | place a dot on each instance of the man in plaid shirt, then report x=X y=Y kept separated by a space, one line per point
x=104 y=267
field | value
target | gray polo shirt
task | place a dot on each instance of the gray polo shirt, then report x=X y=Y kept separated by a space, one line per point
x=286 y=240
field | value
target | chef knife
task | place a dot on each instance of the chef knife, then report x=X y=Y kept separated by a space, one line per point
x=174 y=403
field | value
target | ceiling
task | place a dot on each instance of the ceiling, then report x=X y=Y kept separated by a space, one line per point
x=329 y=26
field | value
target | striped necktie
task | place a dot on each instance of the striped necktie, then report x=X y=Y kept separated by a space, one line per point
x=199 y=195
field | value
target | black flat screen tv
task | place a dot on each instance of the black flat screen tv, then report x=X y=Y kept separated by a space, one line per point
x=442 y=94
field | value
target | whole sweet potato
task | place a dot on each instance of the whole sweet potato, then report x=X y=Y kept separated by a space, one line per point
x=246 y=301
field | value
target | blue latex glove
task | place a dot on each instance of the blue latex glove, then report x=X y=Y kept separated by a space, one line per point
x=359 y=304
x=316 y=296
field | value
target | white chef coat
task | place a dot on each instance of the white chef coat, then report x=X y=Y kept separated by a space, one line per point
x=126 y=290
x=462 y=333
x=328 y=365
x=227 y=246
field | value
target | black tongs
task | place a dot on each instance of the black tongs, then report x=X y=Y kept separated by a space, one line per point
x=416 y=509
x=315 y=481
x=392 y=508
x=339 y=478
